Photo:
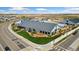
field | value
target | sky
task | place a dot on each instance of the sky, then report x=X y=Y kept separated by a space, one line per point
x=39 y=10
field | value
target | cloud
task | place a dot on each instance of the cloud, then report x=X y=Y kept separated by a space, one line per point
x=11 y=12
x=72 y=10
x=19 y=8
x=23 y=10
x=41 y=9
x=7 y=12
x=2 y=11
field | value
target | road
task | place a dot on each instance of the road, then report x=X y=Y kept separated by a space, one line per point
x=8 y=39
x=64 y=45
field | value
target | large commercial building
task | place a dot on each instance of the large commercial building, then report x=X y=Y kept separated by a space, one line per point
x=38 y=26
x=75 y=21
x=65 y=22
x=70 y=22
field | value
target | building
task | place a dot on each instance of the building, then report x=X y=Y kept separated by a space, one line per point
x=7 y=17
x=37 y=26
x=75 y=21
x=66 y=22
x=71 y=21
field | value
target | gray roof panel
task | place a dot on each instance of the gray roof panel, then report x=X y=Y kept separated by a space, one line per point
x=38 y=25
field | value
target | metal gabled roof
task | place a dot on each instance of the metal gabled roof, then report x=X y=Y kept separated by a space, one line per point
x=38 y=25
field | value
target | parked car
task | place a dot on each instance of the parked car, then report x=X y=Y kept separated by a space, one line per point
x=75 y=32
x=7 y=48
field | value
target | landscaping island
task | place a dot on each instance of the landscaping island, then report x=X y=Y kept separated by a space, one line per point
x=37 y=40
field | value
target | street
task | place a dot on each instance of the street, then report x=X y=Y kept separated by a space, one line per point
x=8 y=39
x=64 y=45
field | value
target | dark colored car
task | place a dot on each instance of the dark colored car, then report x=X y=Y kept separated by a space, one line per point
x=7 y=49
x=75 y=32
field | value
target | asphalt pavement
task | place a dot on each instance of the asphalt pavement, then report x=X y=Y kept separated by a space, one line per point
x=8 y=39
x=64 y=45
